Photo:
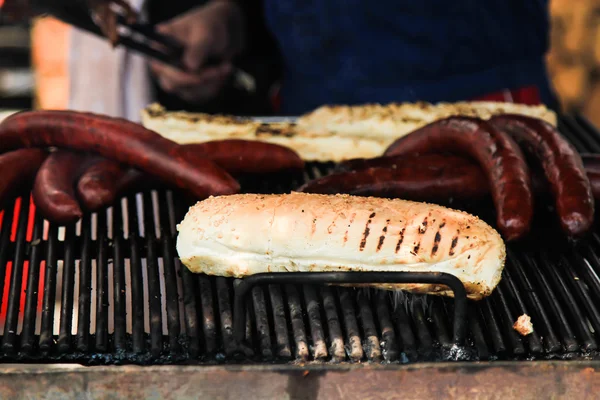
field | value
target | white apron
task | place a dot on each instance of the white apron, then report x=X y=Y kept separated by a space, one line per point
x=108 y=81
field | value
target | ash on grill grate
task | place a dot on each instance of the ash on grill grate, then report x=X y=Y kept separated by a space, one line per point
x=111 y=290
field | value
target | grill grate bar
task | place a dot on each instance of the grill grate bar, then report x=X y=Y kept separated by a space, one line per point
x=371 y=343
x=47 y=327
x=170 y=275
x=578 y=287
x=477 y=334
x=283 y=349
x=33 y=279
x=226 y=319
x=355 y=349
x=491 y=321
x=313 y=310
x=336 y=346
x=389 y=344
x=209 y=323
x=439 y=322
x=154 y=292
x=5 y=245
x=67 y=293
x=9 y=342
x=120 y=318
x=102 y=286
x=85 y=287
x=137 y=283
x=299 y=332
x=262 y=323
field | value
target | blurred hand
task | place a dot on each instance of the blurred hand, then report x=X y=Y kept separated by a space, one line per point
x=214 y=31
x=106 y=17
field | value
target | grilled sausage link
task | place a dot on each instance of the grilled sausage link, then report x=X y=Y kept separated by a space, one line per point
x=120 y=140
x=415 y=182
x=18 y=170
x=591 y=162
x=54 y=187
x=97 y=186
x=498 y=155
x=238 y=156
x=562 y=165
x=429 y=160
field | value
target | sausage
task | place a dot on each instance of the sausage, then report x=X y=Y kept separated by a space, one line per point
x=54 y=187
x=591 y=162
x=415 y=182
x=594 y=178
x=238 y=156
x=97 y=186
x=498 y=155
x=18 y=169
x=431 y=160
x=120 y=140
x=562 y=165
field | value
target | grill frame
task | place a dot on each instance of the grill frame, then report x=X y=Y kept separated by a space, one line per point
x=285 y=323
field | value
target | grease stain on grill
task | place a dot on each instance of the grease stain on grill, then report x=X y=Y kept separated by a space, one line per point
x=366 y=232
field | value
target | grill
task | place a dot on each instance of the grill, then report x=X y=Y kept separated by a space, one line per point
x=110 y=290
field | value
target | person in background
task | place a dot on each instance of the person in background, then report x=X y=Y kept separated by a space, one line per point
x=356 y=51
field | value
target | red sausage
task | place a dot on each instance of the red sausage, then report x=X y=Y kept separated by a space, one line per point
x=591 y=162
x=238 y=156
x=120 y=140
x=498 y=155
x=562 y=165
x=430 y=160
x=54 y=187
x=18 y=170
x=414 y=182
x=594 y=178
x=97 y=186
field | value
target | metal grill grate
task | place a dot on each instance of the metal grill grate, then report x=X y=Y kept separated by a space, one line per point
x=110 y=290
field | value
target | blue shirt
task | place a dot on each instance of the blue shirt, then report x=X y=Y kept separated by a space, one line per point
x=358 y=51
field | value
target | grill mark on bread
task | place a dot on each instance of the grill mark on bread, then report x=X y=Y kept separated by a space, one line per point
x=366 y=232
x=423 y=226
x=313 y=227
x=383 y=234
x=436 y=243
x=400 y=239
x=416 y=248
x=348 y=228
x=454 y=243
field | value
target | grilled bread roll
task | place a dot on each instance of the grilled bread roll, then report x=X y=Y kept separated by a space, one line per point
x=246 y=234
x=329 y=133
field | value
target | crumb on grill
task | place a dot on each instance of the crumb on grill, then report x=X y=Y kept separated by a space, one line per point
x=523 y=325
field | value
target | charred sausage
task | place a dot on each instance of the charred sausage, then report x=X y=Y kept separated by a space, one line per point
x=54 y=187
x=238 y=156
x=18 y=170
x=120 y=140
x=430 y=160
x=416 y=182
x=498 y=155
x=562 y=165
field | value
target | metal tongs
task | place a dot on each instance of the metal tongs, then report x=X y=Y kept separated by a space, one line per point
x=141 y=38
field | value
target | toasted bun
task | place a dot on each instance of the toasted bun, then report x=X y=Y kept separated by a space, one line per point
x=241 y=235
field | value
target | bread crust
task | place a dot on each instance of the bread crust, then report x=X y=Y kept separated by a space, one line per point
x=246 y=234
